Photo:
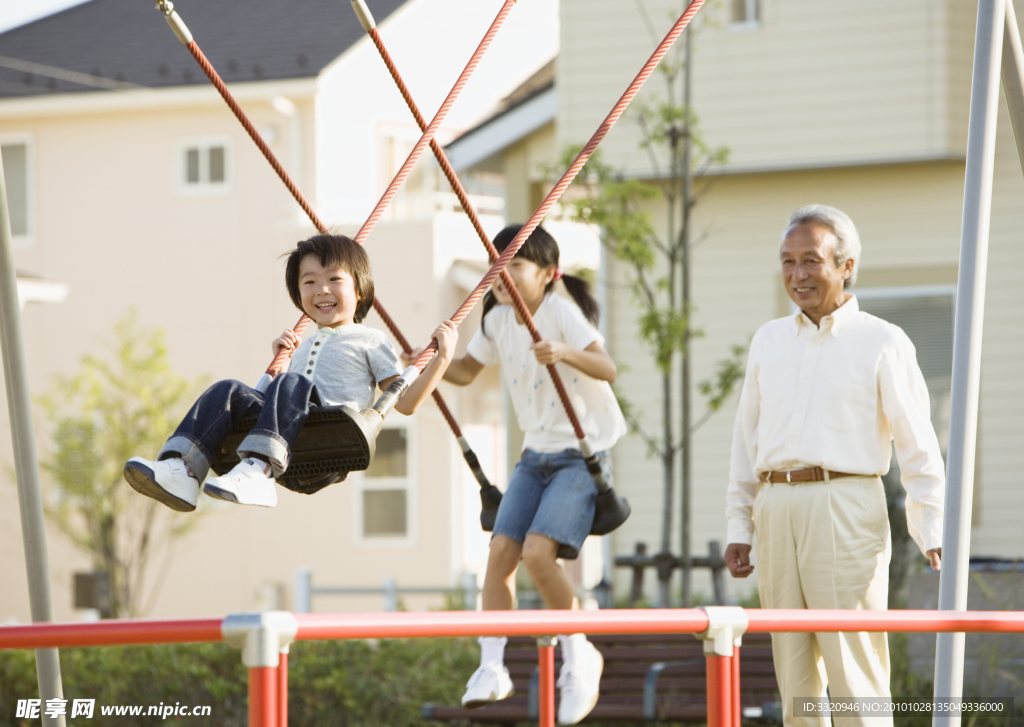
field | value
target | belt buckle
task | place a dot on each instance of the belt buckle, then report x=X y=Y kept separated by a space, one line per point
x=789 y=477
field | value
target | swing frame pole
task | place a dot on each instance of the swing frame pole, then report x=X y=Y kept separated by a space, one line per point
x=26 y=465
x=967 y=340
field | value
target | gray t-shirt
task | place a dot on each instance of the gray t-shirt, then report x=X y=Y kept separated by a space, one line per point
x=346 y=363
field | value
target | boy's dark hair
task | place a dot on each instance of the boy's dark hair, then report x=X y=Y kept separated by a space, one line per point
x=333 y=250
x=541 y=249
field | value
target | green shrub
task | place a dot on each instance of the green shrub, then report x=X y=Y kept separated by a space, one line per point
x=347 y=683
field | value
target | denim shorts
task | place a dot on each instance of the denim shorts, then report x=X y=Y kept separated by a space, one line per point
x=551 y=494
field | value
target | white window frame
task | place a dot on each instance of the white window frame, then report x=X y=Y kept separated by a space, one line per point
x=410 y=483
x=912 y=291
x=753 y=21
x=908 y=291
x=28 y=239
x=204 y=187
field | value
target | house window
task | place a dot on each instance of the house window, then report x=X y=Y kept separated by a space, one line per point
x=745 y=13
x=925 y=314
x=385 y=491
x=16 y=155
x=204 y=166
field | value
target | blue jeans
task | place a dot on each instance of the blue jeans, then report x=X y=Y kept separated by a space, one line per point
x=551 y=494
x=282 y=409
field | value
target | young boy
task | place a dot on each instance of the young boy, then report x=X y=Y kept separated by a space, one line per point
x=329 y=279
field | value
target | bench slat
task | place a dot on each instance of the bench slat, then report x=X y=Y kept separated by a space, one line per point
x=681 y=689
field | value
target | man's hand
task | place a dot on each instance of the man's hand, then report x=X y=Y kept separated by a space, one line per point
x=737 y=557
x=935 y=558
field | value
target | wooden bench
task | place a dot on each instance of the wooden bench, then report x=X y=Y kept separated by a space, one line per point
x=646 y=679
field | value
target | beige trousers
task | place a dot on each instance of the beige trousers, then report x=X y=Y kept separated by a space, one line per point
x=826 y=545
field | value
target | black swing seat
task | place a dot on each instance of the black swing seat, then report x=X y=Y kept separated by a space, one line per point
x=334 y=441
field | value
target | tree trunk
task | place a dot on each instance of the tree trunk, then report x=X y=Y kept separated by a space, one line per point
x=687 y=469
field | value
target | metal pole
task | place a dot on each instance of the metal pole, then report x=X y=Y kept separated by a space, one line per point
x=686 y=466
x=1013 y=78
x=737 y=711
x=30 y=498
x=546 y=680
x=263 y=696
x=303 y=590
x=282 y=689
x=719 y=678
x=970 y=311
x=469 y=591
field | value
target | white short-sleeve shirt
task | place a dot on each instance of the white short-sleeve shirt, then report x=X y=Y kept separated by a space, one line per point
x=539 y=410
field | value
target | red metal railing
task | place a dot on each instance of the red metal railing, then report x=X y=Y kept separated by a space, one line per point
x=268 y=685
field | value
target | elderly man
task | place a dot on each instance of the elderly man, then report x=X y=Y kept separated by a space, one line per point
x=826 y=390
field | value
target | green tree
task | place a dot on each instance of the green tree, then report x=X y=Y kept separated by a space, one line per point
x=111 y=409
x=657 y=258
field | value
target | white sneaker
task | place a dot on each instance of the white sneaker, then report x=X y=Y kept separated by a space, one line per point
x=166 y=480
x=580 y=685
x=247 y=484
x=489 y=683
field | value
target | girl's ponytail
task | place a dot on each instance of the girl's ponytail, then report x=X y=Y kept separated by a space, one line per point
x=579 y=289
x=490 y=300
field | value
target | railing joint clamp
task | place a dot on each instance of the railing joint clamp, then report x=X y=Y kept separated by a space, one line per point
x=726 y=626
x=262 y=637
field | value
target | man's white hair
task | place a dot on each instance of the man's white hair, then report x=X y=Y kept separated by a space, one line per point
x=839 y=223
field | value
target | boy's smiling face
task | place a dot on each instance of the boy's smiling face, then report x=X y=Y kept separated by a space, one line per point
x=328 y=293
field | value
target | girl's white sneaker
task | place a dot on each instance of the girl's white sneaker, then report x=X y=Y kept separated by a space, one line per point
x=248 y=483
x=489 y=683
x=166 y=480
x=580 y=685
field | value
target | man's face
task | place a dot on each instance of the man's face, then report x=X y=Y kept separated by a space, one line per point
x=813 y=280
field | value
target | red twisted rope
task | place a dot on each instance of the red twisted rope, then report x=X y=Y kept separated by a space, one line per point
x=431 y=130
x=567 y=178
x=492 y=252
x=296 y=193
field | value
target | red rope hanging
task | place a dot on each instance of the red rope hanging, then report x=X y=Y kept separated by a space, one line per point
x=431 y=130
x=236 y=109
x=570 y=174
x=499 y=261
x=492 y=252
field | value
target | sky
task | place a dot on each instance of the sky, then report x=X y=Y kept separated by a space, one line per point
x=18 y=12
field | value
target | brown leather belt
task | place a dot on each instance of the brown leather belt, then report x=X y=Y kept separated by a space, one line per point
x=811 y=474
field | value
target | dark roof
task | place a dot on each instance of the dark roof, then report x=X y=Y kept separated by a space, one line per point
x=128 y=40
x=541 y=80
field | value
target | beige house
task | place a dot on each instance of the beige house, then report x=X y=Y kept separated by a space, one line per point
x=150 y=196
x=861 y=106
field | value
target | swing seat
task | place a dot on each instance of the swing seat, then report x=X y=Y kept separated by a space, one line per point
x=334 y=441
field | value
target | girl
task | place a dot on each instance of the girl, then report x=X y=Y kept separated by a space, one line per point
x=329 y=279
x=549 y=502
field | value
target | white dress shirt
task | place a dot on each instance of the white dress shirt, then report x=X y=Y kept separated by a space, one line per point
x=834 y=397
